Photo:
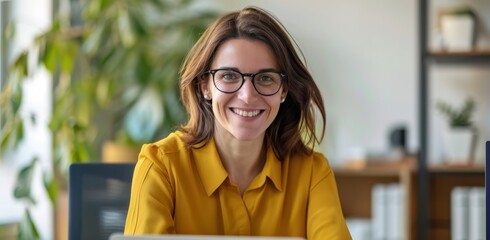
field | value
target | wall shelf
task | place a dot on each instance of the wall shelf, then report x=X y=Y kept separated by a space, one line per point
x=434 y=183
x=474 y=56
x=457 y=169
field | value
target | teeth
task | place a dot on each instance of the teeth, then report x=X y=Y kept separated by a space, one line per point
x=246 y=113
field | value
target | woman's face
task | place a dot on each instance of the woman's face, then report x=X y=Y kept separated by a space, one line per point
x=244 y=114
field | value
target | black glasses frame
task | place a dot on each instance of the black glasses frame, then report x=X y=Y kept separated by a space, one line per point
x=252 y=77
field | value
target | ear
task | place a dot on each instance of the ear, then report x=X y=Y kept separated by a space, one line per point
x=204 y=86
x=284 y=93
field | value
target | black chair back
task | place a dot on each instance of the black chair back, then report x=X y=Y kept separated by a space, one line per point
x=98 y=199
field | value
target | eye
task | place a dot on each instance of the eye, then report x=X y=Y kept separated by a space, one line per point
x=267 y=78
x=226 y=75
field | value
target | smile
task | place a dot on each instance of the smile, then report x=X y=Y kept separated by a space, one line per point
x=244 y=113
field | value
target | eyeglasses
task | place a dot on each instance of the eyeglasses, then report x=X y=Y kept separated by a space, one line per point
x=266 y=83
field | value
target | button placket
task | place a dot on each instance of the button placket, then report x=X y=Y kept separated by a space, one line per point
x=236 y=219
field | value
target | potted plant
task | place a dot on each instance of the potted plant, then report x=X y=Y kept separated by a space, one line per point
x=460 y=138
x=458 y=28
x=115 y=79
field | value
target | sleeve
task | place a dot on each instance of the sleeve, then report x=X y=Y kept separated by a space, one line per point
x=152 y=202
x=325 y=218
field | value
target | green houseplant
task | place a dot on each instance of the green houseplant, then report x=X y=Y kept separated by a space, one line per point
x=458 y=117
x=460 y=136
x=115 y=78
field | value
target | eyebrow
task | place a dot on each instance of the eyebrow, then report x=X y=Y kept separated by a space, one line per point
x=238 y=70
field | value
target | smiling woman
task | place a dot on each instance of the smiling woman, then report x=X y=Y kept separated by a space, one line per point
x=244 y=163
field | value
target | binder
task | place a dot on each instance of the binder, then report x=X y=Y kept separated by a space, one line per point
x=459 y=213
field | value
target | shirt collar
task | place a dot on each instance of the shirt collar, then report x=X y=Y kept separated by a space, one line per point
x=273 y=169
x=210 y=167
x=213 y=173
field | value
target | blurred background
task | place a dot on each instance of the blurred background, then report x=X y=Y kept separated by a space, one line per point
x=76 y=82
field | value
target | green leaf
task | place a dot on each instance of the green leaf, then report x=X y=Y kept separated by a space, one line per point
x=69 y=56
x=143 y=70
x=33 y=118
x=458 y=117
x=16 y=98
x=139 y=24
x=83 y=152
x=51 y=186
x=92 y=10
x=9 y=136
x=92 y=43
x=10 y=30
x=27 y=228
x=464 y=10
x=125 y=28
x=159 y=4
x=50 y=60
x=20 y=64
x=22 y=189
x=19 y=133
x=103 y=92
x=5 y=137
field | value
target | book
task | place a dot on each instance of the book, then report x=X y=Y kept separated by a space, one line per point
x=378 y=210
x=395 y=216
x=468 y=213
x=388 y=212
x=476 y=222
x=459 y=213
x=359 y=228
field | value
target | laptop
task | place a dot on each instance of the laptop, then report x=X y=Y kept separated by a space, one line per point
x=120 y=236
x=487 y=187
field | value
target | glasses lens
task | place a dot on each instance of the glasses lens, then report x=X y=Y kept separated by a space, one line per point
x=267 y=83
x=227 y=80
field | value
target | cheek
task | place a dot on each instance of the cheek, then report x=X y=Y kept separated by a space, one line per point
x=219 y=102
x=275 y=106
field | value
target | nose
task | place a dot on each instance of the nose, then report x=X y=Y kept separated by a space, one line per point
x=247 y=92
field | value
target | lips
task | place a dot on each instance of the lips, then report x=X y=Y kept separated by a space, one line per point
x=245 y=113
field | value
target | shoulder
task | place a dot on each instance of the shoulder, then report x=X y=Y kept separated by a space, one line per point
x=164 y=151
x=172 y=143
x=314 y=161
x=320 y=161
x=312 y=168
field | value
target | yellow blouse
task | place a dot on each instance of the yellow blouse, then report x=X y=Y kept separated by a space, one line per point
x=187 y=191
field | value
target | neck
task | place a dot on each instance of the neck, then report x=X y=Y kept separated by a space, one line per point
x=243 y=160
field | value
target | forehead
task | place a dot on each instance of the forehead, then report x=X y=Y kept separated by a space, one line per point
x=244 y=54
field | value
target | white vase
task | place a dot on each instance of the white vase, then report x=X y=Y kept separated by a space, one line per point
x=459 y=144
x=458 y=32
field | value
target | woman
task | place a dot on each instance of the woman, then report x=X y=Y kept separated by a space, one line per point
x=244 y=163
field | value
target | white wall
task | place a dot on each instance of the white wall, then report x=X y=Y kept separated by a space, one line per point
x=31 y=17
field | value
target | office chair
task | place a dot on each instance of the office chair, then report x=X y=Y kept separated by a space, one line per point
x=98 y=199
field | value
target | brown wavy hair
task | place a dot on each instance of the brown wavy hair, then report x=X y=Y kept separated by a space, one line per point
x=293 y=129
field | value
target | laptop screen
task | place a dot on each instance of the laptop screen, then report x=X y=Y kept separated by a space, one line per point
x=487 y=186
x=196 y=237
